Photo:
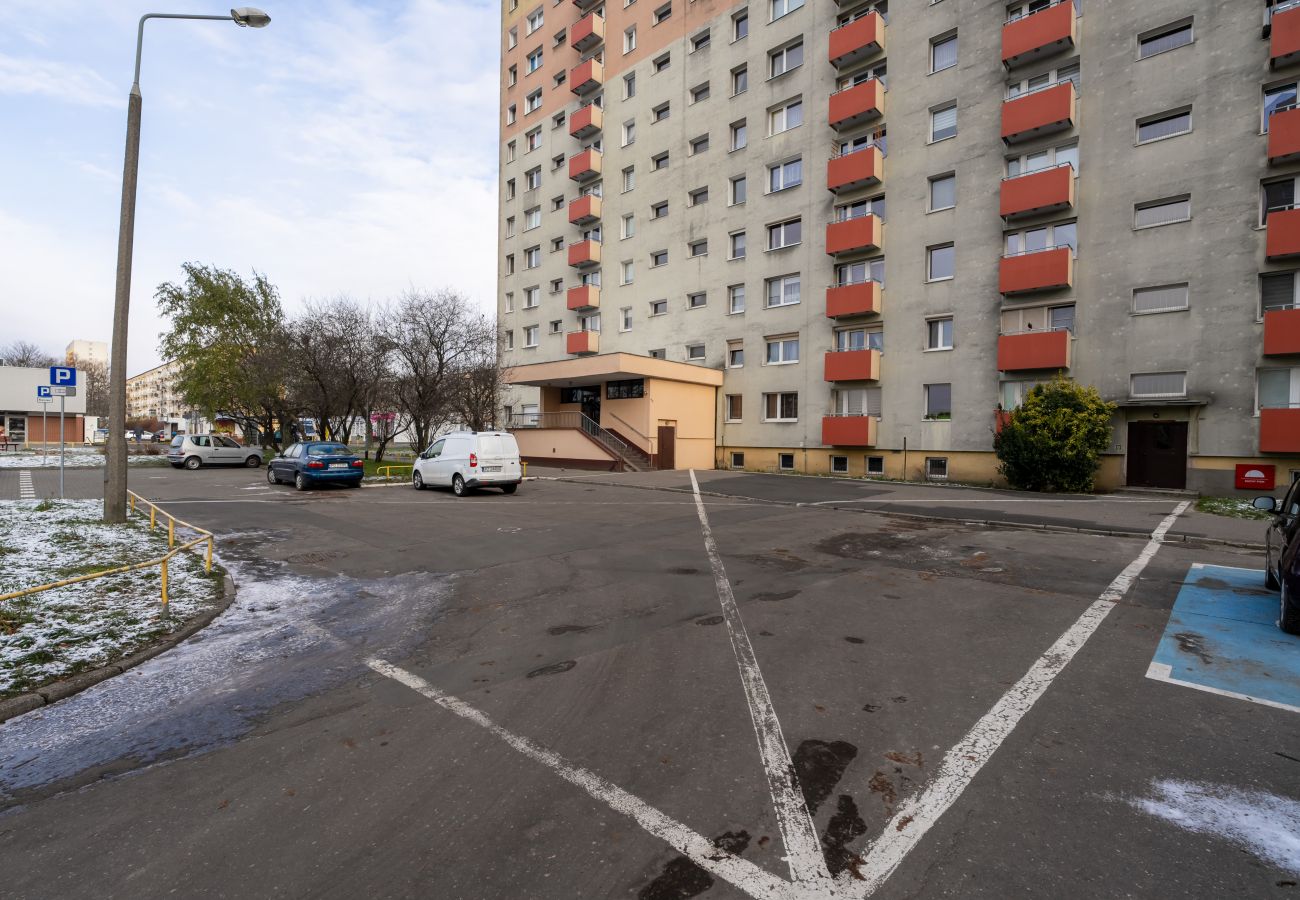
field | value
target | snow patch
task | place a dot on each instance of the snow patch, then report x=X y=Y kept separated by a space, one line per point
x=79 y=458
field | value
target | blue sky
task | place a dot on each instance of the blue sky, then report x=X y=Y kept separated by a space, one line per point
x=348 y=148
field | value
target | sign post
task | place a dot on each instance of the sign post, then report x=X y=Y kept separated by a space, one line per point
x=44 y=399
x=63 y=383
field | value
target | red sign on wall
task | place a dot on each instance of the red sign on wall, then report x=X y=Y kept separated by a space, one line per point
x=1252 y=477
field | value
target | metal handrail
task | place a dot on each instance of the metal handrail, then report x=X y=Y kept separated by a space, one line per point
x=866 y=146
x=868 y=15
x=859 y=84
x=1039 y=250
x=867 y=280
x=650 y=442
x=1281 y=7
x=1040 y=89
x=1049 y=330
x=1043 y=169
x=855 y=217
x=1017 y=18
x=568 y=419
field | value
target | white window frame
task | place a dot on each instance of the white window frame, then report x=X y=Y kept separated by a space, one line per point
x=779 y=404
x=930 y=277
x=781 y=230
x=787 y=350
x=783 y=282
x=930 y=323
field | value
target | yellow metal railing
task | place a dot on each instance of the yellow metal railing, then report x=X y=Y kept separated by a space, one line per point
x=387 y=471
x=205 y=536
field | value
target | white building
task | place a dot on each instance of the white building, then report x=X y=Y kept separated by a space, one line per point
x=21 y=416
x=87 y=352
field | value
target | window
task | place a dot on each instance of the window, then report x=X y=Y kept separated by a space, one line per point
x=628 y=228
x=1047 y=237
x=784 y=234
x=626 y=272
x=533 y=179
x=1060 y=318
x=532 y=218
x=510 y=226
x=1162 y=212
x=784 y=7
x=589 y=322
x=700 y=41
x=875 y=465
x=940 y=262
x=736 y=245
x=936 y=467
x=783 y=407
x=785 y=117
x=943 y=122
x=559 y=37
x=697 y=196
x=629 y=132
x=659 y=162
x=512 y=38
x=939 y=334
x=699 y=144
x=658 y=258
x=860 y=272
x=557 y=326
x=625 y=319
x=695 y=353
x=533 y=61
x=1158 y=384
x=532 y=296
x=874 y=206
x=739 y=135
x=629 y=86
x=735 y=411
x=736 y=299
x=1174 y=296
x=943 y=192
x=785 y=59
x=534 y=20
x=658 y=354
x=840 y=464
x=661 y=63
x=1048 y=79
x=629 y=40
x=1165 y=125
x=1044 y=159
x=658 y=307
x=510 y=114
x=510 y=301
x=557 y=203
x=943 y=53
x=938 y=401
x=626 y=389
x=557 y=285
x=512 y=76
x=785 y=462
x=1278 y=99
x=659 y=113
x=782 y=351
x=659 y=210
x=629 y=179
x=740 y=25
x=1170 y=37
x=783 y=291
x=510 y=340
x=1279 y=388
x=533 y=139
x=739 y=80
x=698 y=248
x=662 y=13
x=510 y=264
x=738 y=190
x=532 y=257
x=1276 y=196
x=557 y=162
x=735 y=354
x=856 y=402
x=700 y=92
x=785 y=175
x=530 y=336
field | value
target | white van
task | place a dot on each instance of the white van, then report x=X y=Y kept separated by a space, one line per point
x=470 y=459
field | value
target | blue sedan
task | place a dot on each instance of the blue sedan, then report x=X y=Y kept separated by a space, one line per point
x=316 y=462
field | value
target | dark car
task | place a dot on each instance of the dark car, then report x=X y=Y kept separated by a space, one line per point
x=311 y=463
x=1282 y=555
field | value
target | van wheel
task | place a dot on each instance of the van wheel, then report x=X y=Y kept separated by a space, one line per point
x=509 y=488
x=253 y=462
x=300 y=482
x=417 y=481
x=458 y=486
x=192 y=462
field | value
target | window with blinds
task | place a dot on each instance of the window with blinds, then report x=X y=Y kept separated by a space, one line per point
x=1168 y=38
x=1277 y=195
x=943 y=123
x=1279 y=388
x=1158 y=384
x=1166 y=298
x=1162 y=212
x=1164 y=125
x=1277 y=291
x=857 y=402
x=943 y=53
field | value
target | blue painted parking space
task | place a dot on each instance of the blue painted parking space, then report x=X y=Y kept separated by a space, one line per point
x=1222 y=637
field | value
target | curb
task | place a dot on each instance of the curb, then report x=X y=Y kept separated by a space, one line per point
x=75 y=684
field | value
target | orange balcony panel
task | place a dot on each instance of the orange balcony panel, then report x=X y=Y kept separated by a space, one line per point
x=1284 y=38
x=1281 y=332
x=858 y=40
x=849 y=431
x=585 y=165
x=1039 y=112
x=852 y=365
x=1038 y=192
x=853 y=299
x=1283 y=234
x=1284 y=136
x=586 y=121
x=851 y=235
x=1039 y=34
x=1000 y=418
x=1044 y=270
x=586 y=77
x=858 y=104
x=1279 y=430
x=579 y=342
x=584 y=296
x=861 y=168
x=587 y=32
x=584 y=253
x=1034 y=350
x=584 y=210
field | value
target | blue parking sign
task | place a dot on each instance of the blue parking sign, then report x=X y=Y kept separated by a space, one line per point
x=42 y=391
x=63 y=376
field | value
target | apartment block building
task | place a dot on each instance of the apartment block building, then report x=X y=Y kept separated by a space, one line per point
x=848 y=237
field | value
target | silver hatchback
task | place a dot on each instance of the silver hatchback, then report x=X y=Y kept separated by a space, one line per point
x=194 y=450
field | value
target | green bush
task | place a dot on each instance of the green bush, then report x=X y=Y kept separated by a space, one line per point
x=1053 y=441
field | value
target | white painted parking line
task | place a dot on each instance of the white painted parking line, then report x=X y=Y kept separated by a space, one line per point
x=927 y=500
x=26 y=490
x=916 y=815
x=802 y=846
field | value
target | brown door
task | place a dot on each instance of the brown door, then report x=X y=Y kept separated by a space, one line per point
x=1157 y=454
x=667 y=447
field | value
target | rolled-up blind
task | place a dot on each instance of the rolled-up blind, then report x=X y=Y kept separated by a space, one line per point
x=1155 y=299
x=1158 y=384
x=1163 y=213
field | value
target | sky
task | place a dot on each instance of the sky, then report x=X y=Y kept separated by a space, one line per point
x=347 y=148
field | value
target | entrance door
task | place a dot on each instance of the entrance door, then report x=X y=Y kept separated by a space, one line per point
x=591 y=404
x=1157 y=454
x=667 y=447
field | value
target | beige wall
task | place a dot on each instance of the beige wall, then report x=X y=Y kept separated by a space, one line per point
x=559 y=444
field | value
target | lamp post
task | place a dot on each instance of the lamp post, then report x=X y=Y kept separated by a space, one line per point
x=115 y=470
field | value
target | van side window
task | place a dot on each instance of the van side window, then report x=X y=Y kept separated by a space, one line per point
x=436 y=449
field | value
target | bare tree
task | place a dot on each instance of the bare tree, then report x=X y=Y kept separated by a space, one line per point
x=94 y=375
x=478 y=388
x=335 y=368
x=26 y=354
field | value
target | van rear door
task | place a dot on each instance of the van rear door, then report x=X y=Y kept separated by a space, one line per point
x=499 y=454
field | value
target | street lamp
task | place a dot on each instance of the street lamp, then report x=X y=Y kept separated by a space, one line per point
x=115 y=470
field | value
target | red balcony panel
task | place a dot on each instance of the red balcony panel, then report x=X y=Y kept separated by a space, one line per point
x=862 y=233
x=584 y=253
x=1034 y=350
x=587 y=32
x=852 y=365
x=584 y=296
x=1282 y=230
x=581 y=342
x=1044 y=270
x=584 y=210
x=586 y=121
x=853 y=299
x=1000 y=418
x=1038 y=192
x=1281 y=332
x=586 y=77
x=1039 y=112
x=861 y=168
x=1284 y=38
x=1039 y=34
x=585 y=165
x=849 y=431
x=1279 y=431
x=857 y=104
x=1284 y=136
x=858 y=40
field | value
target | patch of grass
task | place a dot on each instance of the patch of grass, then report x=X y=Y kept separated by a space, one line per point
x=45 y=505
x=1231 y=507
x=87 y=568
x=13 y=619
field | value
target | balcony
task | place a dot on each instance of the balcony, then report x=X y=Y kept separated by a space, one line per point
x=581 y=343
x=1048 y=190
x=1279 y=430
x=858 y=40
x=584 y=253
x=860 y=168
x=586 y=121
x=1284 y=37
x=1284 y=136
x=585 y=5
x=1039 y=112
x=1037 y=270
x=584 y=296
x=849 y=431
x=587 y=32
x=853 y=235
x=1281 y=332
x=586 y=77
x=852 y=365
x=1029 y=350
x=584 y=210
x=1282 y=231
x=585 y=165
x=1039 y=34
x=859 y=299
x=858 y=104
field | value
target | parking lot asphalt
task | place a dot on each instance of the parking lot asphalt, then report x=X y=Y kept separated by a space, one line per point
x=582 y=691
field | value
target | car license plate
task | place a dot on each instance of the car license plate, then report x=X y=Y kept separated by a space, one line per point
x=338 y=465
x=491 y=468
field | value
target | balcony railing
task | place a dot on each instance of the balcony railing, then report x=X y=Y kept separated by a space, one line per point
x=1279 y=429
x=1044 y=269
x=586 y=121
x=571 y=419
x=1282 y=233
x=1029 y=350
x=1030 y=36
x=861 y=167
x=1039 y=111
x=587 y=32
x=849 y=430
x=856 y=104
x=857 y=40
x=1039 y=191
x=1284 y=35
x=861 y=232
x=853 y=298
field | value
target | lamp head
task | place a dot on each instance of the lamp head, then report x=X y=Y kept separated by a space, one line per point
x=250 y=17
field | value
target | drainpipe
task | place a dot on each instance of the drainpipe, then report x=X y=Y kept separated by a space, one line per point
x=905 y=478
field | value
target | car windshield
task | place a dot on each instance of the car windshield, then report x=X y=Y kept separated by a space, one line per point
x=328 y=450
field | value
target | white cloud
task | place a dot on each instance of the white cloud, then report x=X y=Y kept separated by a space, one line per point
x=69 y=82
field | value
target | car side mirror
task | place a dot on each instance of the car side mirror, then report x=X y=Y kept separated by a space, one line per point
x=1267 y=504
